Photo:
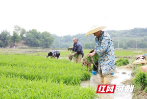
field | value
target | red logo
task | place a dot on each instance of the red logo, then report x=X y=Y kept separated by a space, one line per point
x=106 y=88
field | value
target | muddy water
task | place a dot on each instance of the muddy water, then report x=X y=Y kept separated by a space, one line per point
x=119 y=76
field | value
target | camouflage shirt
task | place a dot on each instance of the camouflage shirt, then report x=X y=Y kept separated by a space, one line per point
x=104 y=48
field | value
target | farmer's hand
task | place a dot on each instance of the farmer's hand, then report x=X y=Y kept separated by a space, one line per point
x=73 y=54
x=91 y=54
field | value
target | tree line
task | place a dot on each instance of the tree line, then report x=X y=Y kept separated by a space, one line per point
x=125 y=39
x=133 y=38
x=32 y=38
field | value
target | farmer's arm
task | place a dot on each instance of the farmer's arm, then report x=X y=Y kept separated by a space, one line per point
x=92 y=54
x=100 y=49
x=71 y=51
x=74 y=53
x=79 y=47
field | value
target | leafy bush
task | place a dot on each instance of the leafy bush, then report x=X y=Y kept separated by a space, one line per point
x=121 y=62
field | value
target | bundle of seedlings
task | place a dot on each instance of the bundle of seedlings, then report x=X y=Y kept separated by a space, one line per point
x=94 y=58
x=70 y=56
x=87 y=61
x=69 y=49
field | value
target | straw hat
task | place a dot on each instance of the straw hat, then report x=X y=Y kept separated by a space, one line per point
x=139 y=62
x=95 y=29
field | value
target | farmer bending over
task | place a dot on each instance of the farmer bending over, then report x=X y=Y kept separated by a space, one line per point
x=54 y=54
x=104 y=48
x=77 y=48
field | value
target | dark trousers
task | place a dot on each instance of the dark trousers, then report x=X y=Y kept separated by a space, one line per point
x=95 y=66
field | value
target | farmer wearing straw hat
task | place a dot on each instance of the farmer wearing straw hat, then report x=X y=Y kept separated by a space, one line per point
x=104 y=48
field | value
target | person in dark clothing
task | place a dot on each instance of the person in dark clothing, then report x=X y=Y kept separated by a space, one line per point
x=54 y=54
x=77 y=48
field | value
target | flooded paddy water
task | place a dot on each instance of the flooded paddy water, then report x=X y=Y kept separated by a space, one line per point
x=118 y=78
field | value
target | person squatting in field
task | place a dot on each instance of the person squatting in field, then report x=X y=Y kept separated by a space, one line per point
x=77 y=48
x=104 y=48
x=54 y=54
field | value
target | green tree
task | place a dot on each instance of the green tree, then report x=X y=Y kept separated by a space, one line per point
x=89 y=45
x=17 y=29
x=142 y=45
x=36 y=39
x=131 y=43
x=1 y=44
x=46 y=39
x=22 y=34
x=5 y=38
x=31 y=40
x=15 y=38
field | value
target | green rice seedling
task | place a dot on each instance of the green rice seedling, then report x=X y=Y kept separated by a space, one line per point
x=21 y=88
x=145 y=89
x=95 y=58
x=29 y=76
x=130 y=53
x=36 y=68
x=121 y=62
x=70 y=57
x=76 y=55
x=140 y=80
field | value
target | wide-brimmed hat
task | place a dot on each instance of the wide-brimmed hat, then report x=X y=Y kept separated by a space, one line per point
x=95 y=29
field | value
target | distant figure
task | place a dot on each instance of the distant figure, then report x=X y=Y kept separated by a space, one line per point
x=54 y=54
x=77 y=48
x=140 y=58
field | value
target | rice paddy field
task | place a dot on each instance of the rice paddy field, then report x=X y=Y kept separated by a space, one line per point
x=130 y=53
x=29 y=75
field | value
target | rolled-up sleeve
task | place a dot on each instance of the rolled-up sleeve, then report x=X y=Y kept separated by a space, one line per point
x=100 y=49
